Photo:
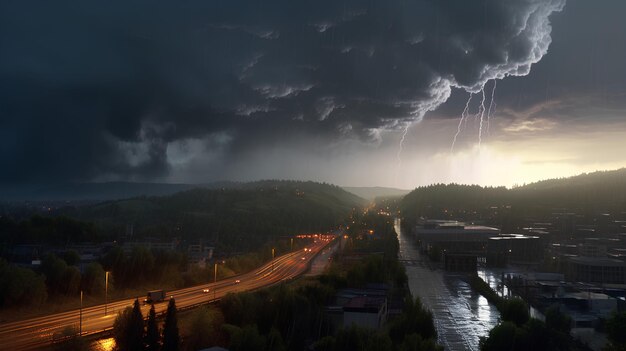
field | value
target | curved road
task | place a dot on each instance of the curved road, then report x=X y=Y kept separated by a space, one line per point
x=38 y=332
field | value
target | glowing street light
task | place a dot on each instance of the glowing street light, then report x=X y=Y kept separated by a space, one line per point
x=80 y=318
x=215 y=282
x=106 y=291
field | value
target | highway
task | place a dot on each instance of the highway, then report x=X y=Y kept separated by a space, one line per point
x=38 y=332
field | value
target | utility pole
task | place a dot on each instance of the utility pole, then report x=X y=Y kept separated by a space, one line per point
x=106 y=291
x=215 y=282
x=80 y=319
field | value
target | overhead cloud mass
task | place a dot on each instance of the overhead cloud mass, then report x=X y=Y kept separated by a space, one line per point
x=130 y=89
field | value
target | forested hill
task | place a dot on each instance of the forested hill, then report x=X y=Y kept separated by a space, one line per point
x=593 y=192
x=371 y=193
x=249 y=214
x=97 y=191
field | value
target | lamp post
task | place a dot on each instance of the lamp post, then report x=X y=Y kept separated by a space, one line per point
x=215 y=282
x=106 y=291
x=272 y=259
x=80 y=318
x=291 y=244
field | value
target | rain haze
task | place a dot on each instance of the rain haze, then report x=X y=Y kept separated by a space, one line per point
x=357 y=93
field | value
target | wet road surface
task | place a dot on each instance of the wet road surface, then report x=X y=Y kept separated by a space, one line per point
x=461 y=315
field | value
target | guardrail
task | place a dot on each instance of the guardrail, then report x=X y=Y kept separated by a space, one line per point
x=99 y=334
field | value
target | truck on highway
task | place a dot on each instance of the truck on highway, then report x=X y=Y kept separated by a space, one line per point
x=155 y=296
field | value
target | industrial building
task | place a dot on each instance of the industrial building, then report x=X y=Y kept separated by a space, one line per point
x=453 y=236
x=515 y=249
x=599 y=270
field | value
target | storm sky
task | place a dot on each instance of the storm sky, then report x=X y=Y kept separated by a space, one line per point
x=324 y=90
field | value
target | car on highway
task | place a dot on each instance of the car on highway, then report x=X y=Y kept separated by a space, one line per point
x=237 y=281
x=205 y=290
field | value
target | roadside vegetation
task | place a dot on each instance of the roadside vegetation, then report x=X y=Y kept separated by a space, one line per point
x=294 y=317
x=244 y=223
x=518 y=331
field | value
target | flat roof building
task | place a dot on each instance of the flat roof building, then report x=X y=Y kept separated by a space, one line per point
x=514 y=249
x=600 y=270
x=454 y=236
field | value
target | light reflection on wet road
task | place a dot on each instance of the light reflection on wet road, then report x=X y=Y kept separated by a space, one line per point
x=461 y=315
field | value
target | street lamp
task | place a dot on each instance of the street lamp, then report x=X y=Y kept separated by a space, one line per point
x=272 y=259
x=106 y=291
x=215 y=282
x=80 y=318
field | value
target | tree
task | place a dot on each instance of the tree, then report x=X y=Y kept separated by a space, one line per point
x=21 y=286
x=54 y=269
x=140 y=264
x=555 y=320
x=128 y=329
x=69 y=340
x=93 y=279
x=414 y=342
x=246 y=338
x=115 y=261
x=152 y=332
x=71 y=257
x=204 y=328
x=171 y=336
x=616 y=331
x=533 y=335
x=501 y=337
x=515 y=310
x=71 y=281
x=414 y=319
x=352 y=338
x=275 y=341
x=379 y=341
x=326 y=343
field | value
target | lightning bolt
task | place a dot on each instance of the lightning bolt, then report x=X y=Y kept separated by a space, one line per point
x=463 y=117
x=400 y=148
x=401 y=145
x=481 y=113
x=492 y=105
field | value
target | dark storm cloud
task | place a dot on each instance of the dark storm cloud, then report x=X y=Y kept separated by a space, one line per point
x=91 y=90
x=584 y=69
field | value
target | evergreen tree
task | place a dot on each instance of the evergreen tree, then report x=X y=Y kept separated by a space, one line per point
x=128 y=329
x=515 y=310
x=615 y=327
x=170 y=329
x=152 y=332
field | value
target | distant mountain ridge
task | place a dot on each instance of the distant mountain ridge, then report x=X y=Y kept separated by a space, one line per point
x=103 y=191
x=589 y=192
x=245 y=214
x=371 y=193
x=617 y=176
x=107 y=191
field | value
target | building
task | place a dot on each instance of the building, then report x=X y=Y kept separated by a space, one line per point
x=599 y=270
x=361 y=307
x=453 y=236
x=514 y=249
x=460 y=262
x=199 y=254
x=151 y=245
x=365 y=311
x=585 y=308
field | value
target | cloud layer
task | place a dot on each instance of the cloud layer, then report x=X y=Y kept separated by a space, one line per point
x=131 y=89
